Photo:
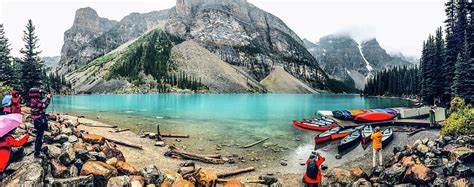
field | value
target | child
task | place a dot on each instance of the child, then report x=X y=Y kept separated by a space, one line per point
x=6 y=144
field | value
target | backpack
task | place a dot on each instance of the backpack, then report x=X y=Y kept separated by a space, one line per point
x=312 y=169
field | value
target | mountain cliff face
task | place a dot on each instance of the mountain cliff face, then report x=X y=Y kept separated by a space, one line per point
x=352 y=62
x=249 y=39
x=246 y=36
x=92 y=36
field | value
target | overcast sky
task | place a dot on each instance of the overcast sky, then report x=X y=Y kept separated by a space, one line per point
x=399 y=25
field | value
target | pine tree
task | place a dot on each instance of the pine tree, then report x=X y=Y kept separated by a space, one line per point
x=32 y=73
x=470 y=62
x=461 y=74
x=6 y=69
x=451 y=52
x=438 y=60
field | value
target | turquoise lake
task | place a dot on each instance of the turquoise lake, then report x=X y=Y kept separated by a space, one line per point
x=225 y=119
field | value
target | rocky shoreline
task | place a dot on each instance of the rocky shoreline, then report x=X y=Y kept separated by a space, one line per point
x=440 y=161
x=78 y=154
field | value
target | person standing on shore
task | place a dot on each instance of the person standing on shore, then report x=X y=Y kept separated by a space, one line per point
x=38 y=106
x=377 y=146
x=312 y=176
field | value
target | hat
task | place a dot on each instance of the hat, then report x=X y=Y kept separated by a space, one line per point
x=14 y=92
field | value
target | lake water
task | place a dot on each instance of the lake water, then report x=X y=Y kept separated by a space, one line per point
x=219 y=120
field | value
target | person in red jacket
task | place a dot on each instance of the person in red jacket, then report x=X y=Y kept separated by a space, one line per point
x=6 y=144
x=15 y=105
x=312 y=176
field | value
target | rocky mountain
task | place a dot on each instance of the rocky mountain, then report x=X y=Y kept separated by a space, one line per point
x=92 y=36
x=249 y=39
x=352 y=62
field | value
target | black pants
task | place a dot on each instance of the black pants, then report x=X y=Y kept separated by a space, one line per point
x=310 y=185
x=41 y=124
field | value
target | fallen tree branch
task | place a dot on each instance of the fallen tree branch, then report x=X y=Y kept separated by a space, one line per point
x=120 y=130
x=174 y=135
x=416 y=131
x=124 y=144
x=255 y=143
x=173 y=151
x=92 y=125
x=236 y=172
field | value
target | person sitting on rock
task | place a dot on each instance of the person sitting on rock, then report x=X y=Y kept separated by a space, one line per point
x=377 y=146
x=312 y=176
x=6 y=144
x=38 y=106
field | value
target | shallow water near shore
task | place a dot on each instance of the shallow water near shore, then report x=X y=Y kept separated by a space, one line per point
x=222 y=123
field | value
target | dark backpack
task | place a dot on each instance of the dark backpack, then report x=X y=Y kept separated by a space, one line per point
x=312 y=169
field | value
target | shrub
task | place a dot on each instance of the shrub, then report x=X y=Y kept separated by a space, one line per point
x=460 y=120
x=4 y=90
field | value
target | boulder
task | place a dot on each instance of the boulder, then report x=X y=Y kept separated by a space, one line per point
x=447 y=139
x=185 y=183
x=29 y=173
x=73 y=171
x=462 y=154
x=462 y=171
x=449 y=167
x=171 y=177
x=358 y=172
x=362 y=182
x=377 y=170
x=416 y=143
x=340 y=175
x=433 y=162
x=119 y=181
x=187 y=163
x=125 y=168
x=425 y=141
x=408 y=161
x=392 y=175
x=84 y=155
x=68 y=155
x=419 y=174
x=61 y=138
x=102 y=172
x=439 y=181
x=79 y=146
x=137 y=181
x=112 y=161
x=74 y=181
x=99 y=156
x=57 y=169
x=66 y=130
x=93 y=139
x=205 y=177
x=52 y=151
x=152 y=175
x=160 y=143
x=111 y=152
x=72 y=139
x=422 y=148
x=447 y=149
x=461 y=183
x=431 y=144
x=186 y=170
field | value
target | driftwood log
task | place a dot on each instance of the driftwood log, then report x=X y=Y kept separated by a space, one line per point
x=416 y=131
x=255 y=143
x=124 y=144
x=164 y=135
x=120 y=130
x=236 y=172
x=173 y=151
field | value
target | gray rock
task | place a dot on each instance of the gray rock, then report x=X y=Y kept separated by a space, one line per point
x=68 y=155
x=99 y=156
x=84 y=155
x=362 y=182
x=31 y=173
x=425 y=141
x=392 y=175
x=152 y=175
x=447 y=139
x=160 y=144
x=431 y=144
x=462 y=171
x=423 y=148
x=433 y=162
x=61 y=138
x=72 y=139
x=119 y=181
x=66 y=130
x=73 y=171
x=449 y=168
x=52 y=151
x=416 y=143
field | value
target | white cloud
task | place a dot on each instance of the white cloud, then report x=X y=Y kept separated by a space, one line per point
x=399 y=25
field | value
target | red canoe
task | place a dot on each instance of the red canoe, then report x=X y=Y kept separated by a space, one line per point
x=374 y=116
x=326 y=135
x=311 y=126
